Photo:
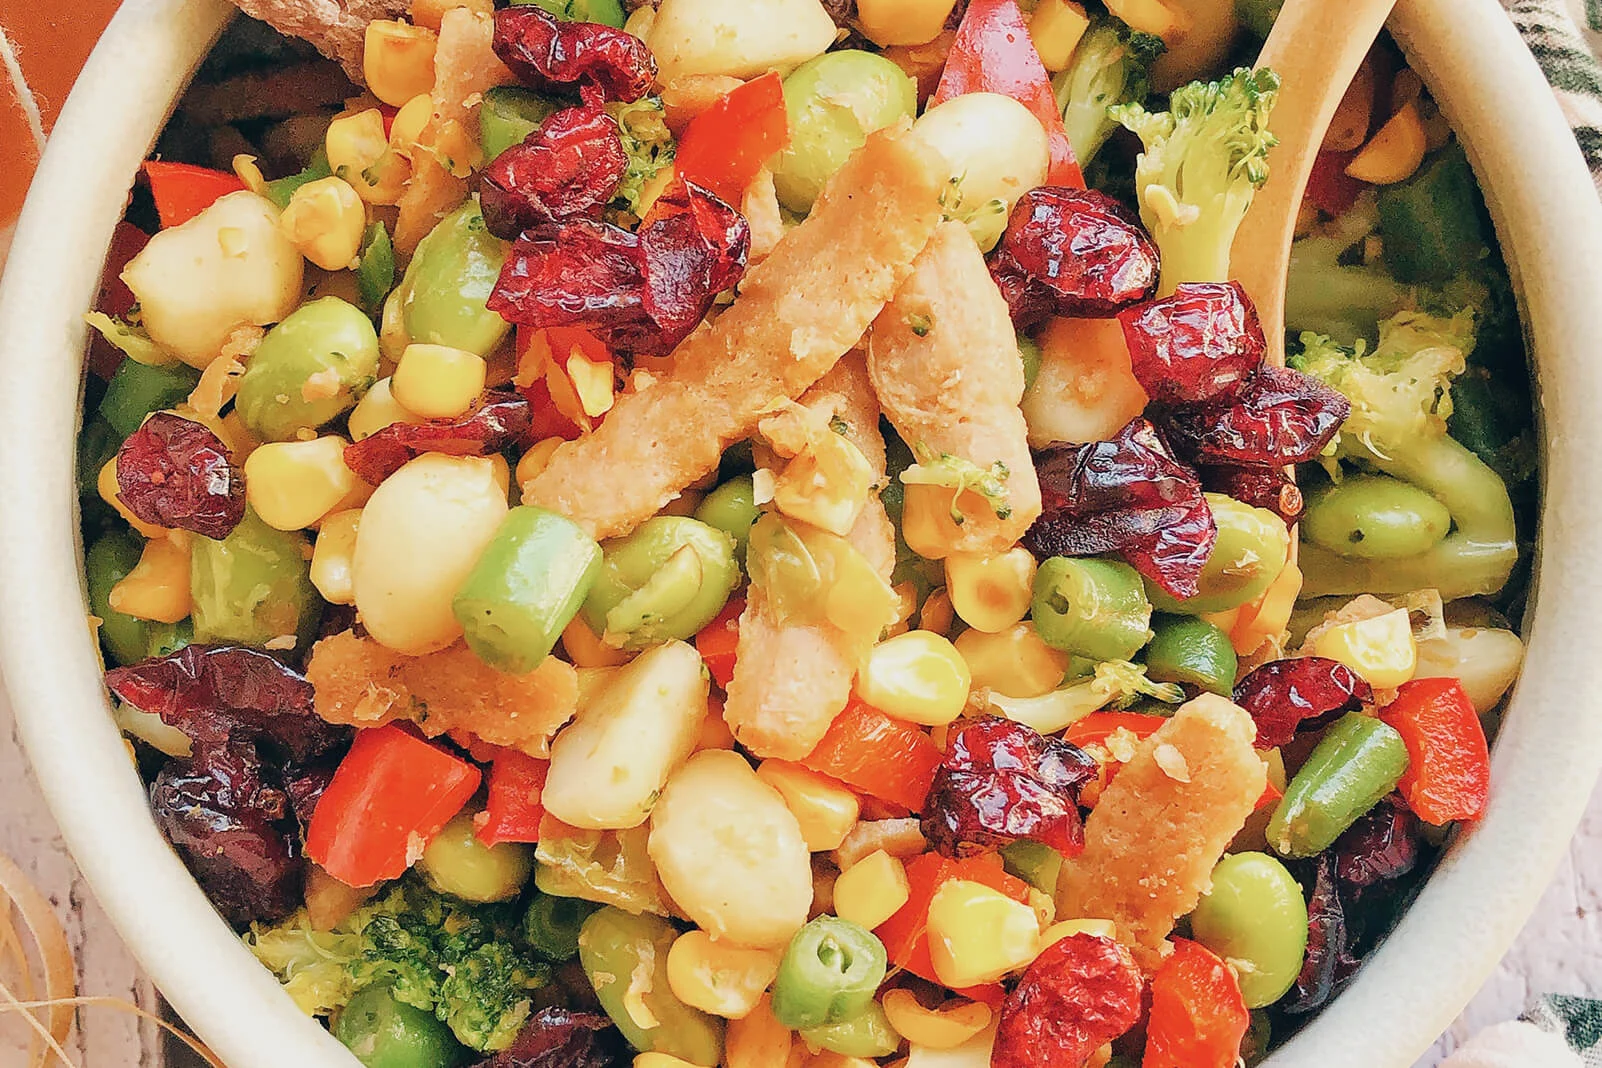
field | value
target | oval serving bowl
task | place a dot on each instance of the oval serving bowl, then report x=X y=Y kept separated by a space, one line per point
x=1546 y=756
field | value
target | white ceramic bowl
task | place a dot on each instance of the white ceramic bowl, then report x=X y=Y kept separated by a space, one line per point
x=1547 y=755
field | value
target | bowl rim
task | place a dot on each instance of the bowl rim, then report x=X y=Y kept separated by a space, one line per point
x=1545 y=762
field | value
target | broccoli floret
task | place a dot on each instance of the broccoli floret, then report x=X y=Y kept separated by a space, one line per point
x=484 y=997
x=1401 y=400
x=1110 y=65
x=312 y=965
x=1331 y=291
x=1113 y=683
x=1205 y=157
x=957 y=473
x=650 y=147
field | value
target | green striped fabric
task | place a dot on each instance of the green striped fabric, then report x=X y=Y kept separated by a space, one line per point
x=1566 y=57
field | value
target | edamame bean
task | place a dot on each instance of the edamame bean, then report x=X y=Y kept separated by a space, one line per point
x=127 y=638
x=552 y=924
x=254 y=586
x=137 y=389
x=625 y=958
x=455 y=862
x=1091 y=608
x=867 y=1034
x=384 y=1032
x=829 y=974
x=667 y=580
x=732 y=509
x=1375 y=517
x=1358 y=761
x=526 y=587
x=1192 y=651
x=309 y=369
x=834 y=102
x=606 y=12
x=1251 y=551
x=1255 y=918
x=441 y=298
x=509 y=114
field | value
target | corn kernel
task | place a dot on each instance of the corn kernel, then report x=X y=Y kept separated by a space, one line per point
x=903 y=22
x=431 y=13
x=991 y=593
x=325 y=220
x=1268 y=617
x=872 y=890
x=1056 y=27
x=377 y=409
x=398 y=60
x=1152 y=16
x=918 y=676
x=977 y=934
x=1058 y=931
x=758 y=1040
x=331 y=556
x=937 y=615
x=406 y=128
x=1013 y=663
x=536 y=459
x=158 y=586
x=715 y=732
x=358 y=151
x=293 y=484
x=926 y=523
x=661 y=1060
x=1380 y=649
x=437 y=381
x=825 y=484
x=585 y=648
x=1395 y=152
x=719 y=977
x=826 y=810
x=945 y=1027
x=111 y=492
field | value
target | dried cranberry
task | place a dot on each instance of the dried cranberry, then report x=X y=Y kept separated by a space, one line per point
x=501 y=421
x=216 y=693
x=1280 y=417
x=1073 y=252
x=693 y=247
x=305 y=786
x=1381 y=846
x=562 y=1038
x=570 y=166
x=227 y=820
x=174 y=472
x=1198 y=345
x=1299 y=693
x=1257 y=485
x=1125 y=495
x=1329 y=960
x=550 y=55
x=1001 y=782
x=1082 y=992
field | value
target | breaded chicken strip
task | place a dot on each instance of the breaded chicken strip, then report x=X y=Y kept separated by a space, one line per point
x=791 y=679
x=1159 y=828
x=944 y=362
x=798 y=312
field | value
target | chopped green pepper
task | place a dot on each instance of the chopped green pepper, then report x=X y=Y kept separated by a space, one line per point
x=1189 y=650
x=137 y=389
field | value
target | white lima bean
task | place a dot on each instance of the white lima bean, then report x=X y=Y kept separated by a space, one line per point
x=229 y=266
x=420 y=535
x=1484 y=659
x=996 y=151
x=730 y=853
x=1085 y=390
x=609 y=765
x=740 y=38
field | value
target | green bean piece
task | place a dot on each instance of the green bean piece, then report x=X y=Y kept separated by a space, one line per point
x=1358 y=761
x=309 y=369
x=384 y=1032
x=1254 y=1047
x=127 y=638
x=280 y=190
x=867 y=1034
x=1035 y=863
x=834 y=102
x=137 y=389
x=552 y=924
x=1258 y=15
x=1375 y=517
x=732 y=509
x=829 y=974
x=667 y=580
x=375 y=268
x=1255 y=918
x=455 y=862
x=625 y=958
x=1491 y=418
x=441 y=298
x=526 y=587
x=606 y=12
x=508 y=115
x=97 y=444
x=1193 y=652
x=1029 y=351
x=1252 y=548
x=1092 y=608
x=1432 y=223
x=254 y=586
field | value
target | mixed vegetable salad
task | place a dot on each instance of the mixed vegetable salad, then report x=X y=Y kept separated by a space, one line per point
x=762 y=532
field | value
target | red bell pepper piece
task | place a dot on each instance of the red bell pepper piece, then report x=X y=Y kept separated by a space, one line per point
x=869 y=751
x=1329 y=188
x=1198 y=1016
x=1270 y=797
x=905 y=935
x=993 y=53
x=1449 y=763
x=549 y=421
x=513 y=811
x=389 y=796
x=182 y=190
x=719 y=640
x=725 y=146
x=1097 y=727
